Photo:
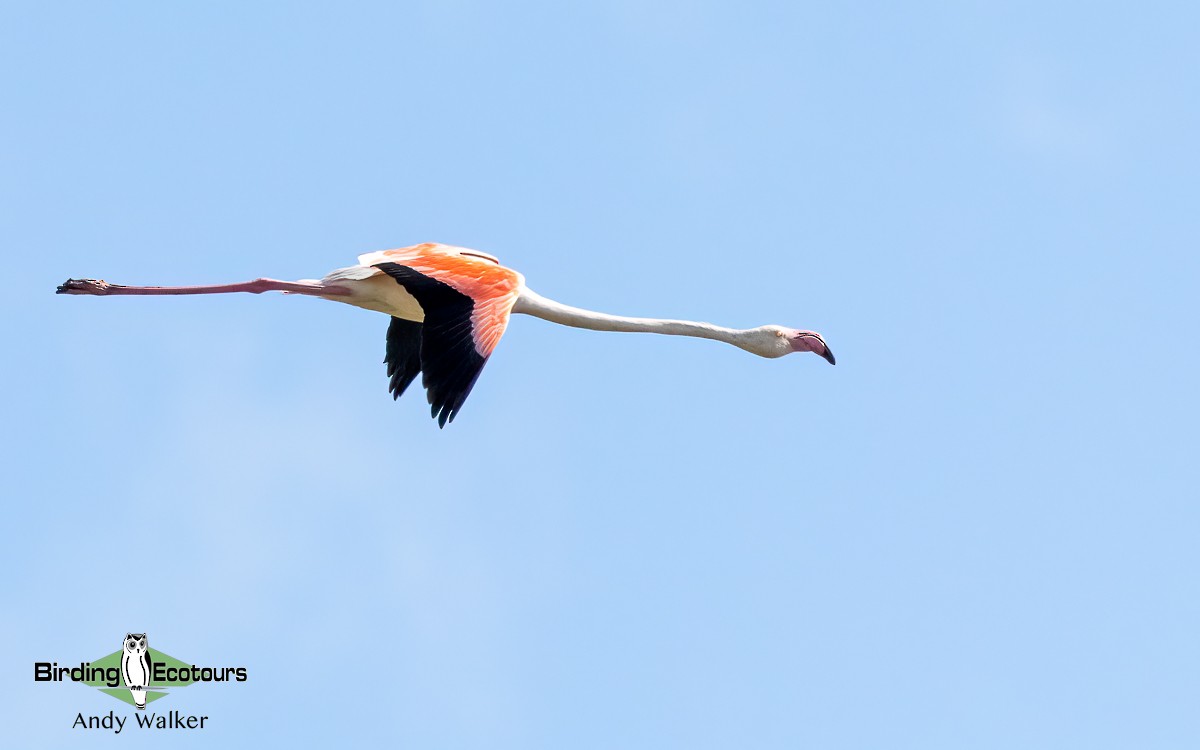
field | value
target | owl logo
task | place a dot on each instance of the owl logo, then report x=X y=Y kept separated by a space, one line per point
x=136 y=667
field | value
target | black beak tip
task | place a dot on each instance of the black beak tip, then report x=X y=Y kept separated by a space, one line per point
x=828 y=355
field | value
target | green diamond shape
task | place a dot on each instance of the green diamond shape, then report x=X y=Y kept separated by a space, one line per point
x=122 y=693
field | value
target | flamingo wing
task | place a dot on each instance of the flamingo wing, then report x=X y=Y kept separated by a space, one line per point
x=466 y=298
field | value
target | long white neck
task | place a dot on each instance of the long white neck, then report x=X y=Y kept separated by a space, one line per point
x=532 y=303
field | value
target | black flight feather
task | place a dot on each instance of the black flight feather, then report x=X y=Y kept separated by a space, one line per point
x=403 y=358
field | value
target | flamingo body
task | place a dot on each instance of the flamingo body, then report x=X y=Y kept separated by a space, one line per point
x=449 y=308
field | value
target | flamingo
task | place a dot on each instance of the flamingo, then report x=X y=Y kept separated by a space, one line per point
x=449 y=307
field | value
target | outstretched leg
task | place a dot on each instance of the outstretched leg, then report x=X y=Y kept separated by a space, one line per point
x=258 y=286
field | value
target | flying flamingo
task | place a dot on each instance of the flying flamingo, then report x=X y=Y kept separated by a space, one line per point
x=449 y=308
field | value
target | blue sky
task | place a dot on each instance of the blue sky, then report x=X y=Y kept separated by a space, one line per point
x=978 y=530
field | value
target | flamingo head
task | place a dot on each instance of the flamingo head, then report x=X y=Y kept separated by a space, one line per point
x=776 y=341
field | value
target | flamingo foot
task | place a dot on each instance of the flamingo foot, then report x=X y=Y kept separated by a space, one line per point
x=84 y=286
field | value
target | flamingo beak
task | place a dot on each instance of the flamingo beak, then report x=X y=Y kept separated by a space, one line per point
x=808 y=341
